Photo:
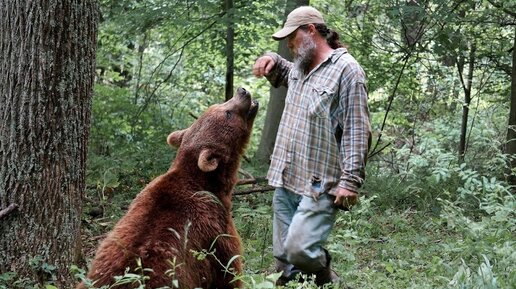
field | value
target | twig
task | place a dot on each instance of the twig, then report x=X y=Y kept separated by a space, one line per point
x=372 y=154
x=192 y=115
x=8 y=210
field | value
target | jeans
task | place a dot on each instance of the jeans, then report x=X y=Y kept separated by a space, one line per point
x=300 y=228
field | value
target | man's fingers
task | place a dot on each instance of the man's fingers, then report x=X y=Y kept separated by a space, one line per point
x=338 y=200
x=345 y=201
x=256 y=69
x=268 y=67
x=263 y=66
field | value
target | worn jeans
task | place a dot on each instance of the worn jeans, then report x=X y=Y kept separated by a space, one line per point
x=300 y=229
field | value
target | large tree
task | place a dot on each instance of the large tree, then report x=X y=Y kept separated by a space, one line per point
x=47 y=66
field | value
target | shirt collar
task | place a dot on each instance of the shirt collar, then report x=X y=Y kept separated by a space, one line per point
x=337 y=53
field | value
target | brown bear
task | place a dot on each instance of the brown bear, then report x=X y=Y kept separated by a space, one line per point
x=187 y=210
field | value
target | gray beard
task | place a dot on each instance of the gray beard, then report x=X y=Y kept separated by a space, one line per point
x=305 y=55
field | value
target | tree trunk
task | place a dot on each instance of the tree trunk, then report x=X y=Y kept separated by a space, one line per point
x=276 y=99
x=230 y=40
x=47 y=66
x=510 y=148
x=467 y=85
x=412 y=23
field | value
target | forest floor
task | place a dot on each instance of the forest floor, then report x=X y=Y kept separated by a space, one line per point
x=373 y=246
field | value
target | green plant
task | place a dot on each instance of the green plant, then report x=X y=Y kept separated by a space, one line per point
x=211 y=252
x=44 y=276
x=483 y=279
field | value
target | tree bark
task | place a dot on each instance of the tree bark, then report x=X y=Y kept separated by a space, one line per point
x=47 y=66
x=276 y=99
x=510 y=147
x=230 y=40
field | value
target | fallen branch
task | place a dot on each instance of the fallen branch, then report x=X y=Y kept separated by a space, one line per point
x=96 y=238
x=251 y=181
x=246 y=174
x=249 y=191
x=8 y=210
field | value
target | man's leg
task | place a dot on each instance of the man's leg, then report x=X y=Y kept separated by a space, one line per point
x=309 y=229
x=285 y=205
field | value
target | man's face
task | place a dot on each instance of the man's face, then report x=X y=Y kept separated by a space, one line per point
x=303 y=48
x=293 y=41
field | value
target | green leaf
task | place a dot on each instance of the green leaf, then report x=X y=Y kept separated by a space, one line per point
x=389 y=268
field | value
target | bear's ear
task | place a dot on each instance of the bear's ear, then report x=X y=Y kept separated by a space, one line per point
x=208 y=161
x=174 y=139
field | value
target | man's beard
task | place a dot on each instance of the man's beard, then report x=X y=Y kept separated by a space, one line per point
x=305 y=55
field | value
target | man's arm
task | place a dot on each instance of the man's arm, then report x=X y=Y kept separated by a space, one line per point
x=356 y=126
x=274 y=67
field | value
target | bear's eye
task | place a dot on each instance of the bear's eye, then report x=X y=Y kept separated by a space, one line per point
x=228 y=114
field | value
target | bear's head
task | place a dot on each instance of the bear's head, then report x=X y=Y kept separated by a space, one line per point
x=217 y=138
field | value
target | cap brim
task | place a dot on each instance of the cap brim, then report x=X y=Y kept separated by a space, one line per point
x=284 y=32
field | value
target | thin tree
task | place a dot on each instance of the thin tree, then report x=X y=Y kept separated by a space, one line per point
x=276 y=99
x=510 y=148
x=47 y=66
x=230 y=43
x=467 y=84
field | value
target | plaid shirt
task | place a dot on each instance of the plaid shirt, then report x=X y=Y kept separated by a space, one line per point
x=324 y=133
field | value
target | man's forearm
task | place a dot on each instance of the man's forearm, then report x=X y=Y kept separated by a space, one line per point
x=279 y=73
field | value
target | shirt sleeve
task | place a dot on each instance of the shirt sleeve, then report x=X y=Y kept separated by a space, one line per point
x=278 y=76
x=356 y=128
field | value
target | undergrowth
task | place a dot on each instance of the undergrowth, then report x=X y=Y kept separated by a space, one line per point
x=424 y=219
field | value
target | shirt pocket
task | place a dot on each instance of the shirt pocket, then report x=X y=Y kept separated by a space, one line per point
x=320 y=102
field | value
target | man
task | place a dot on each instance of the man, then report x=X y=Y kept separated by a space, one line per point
x=319 y=158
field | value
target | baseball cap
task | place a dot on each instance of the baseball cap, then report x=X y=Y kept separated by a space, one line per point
x=299 y=16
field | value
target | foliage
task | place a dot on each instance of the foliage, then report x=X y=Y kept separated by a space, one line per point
x=425 y=219
x=159 y=64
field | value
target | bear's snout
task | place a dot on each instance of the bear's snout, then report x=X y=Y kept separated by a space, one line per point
x=242 y=99
x=242 y=92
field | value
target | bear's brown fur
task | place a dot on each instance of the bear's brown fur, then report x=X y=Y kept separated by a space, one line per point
x=186 y=210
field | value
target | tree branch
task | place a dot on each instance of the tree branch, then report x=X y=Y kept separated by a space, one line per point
x=8 y=210
x=180 y=50
x=263 y=189
x=500 y=6
x=375 y=152
x=391 y=98
x=251 y=181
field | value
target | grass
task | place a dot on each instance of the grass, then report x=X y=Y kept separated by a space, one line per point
x=404 y=253
x=375 y=246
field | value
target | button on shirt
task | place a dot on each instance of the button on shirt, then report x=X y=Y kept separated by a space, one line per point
x=325 y=132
